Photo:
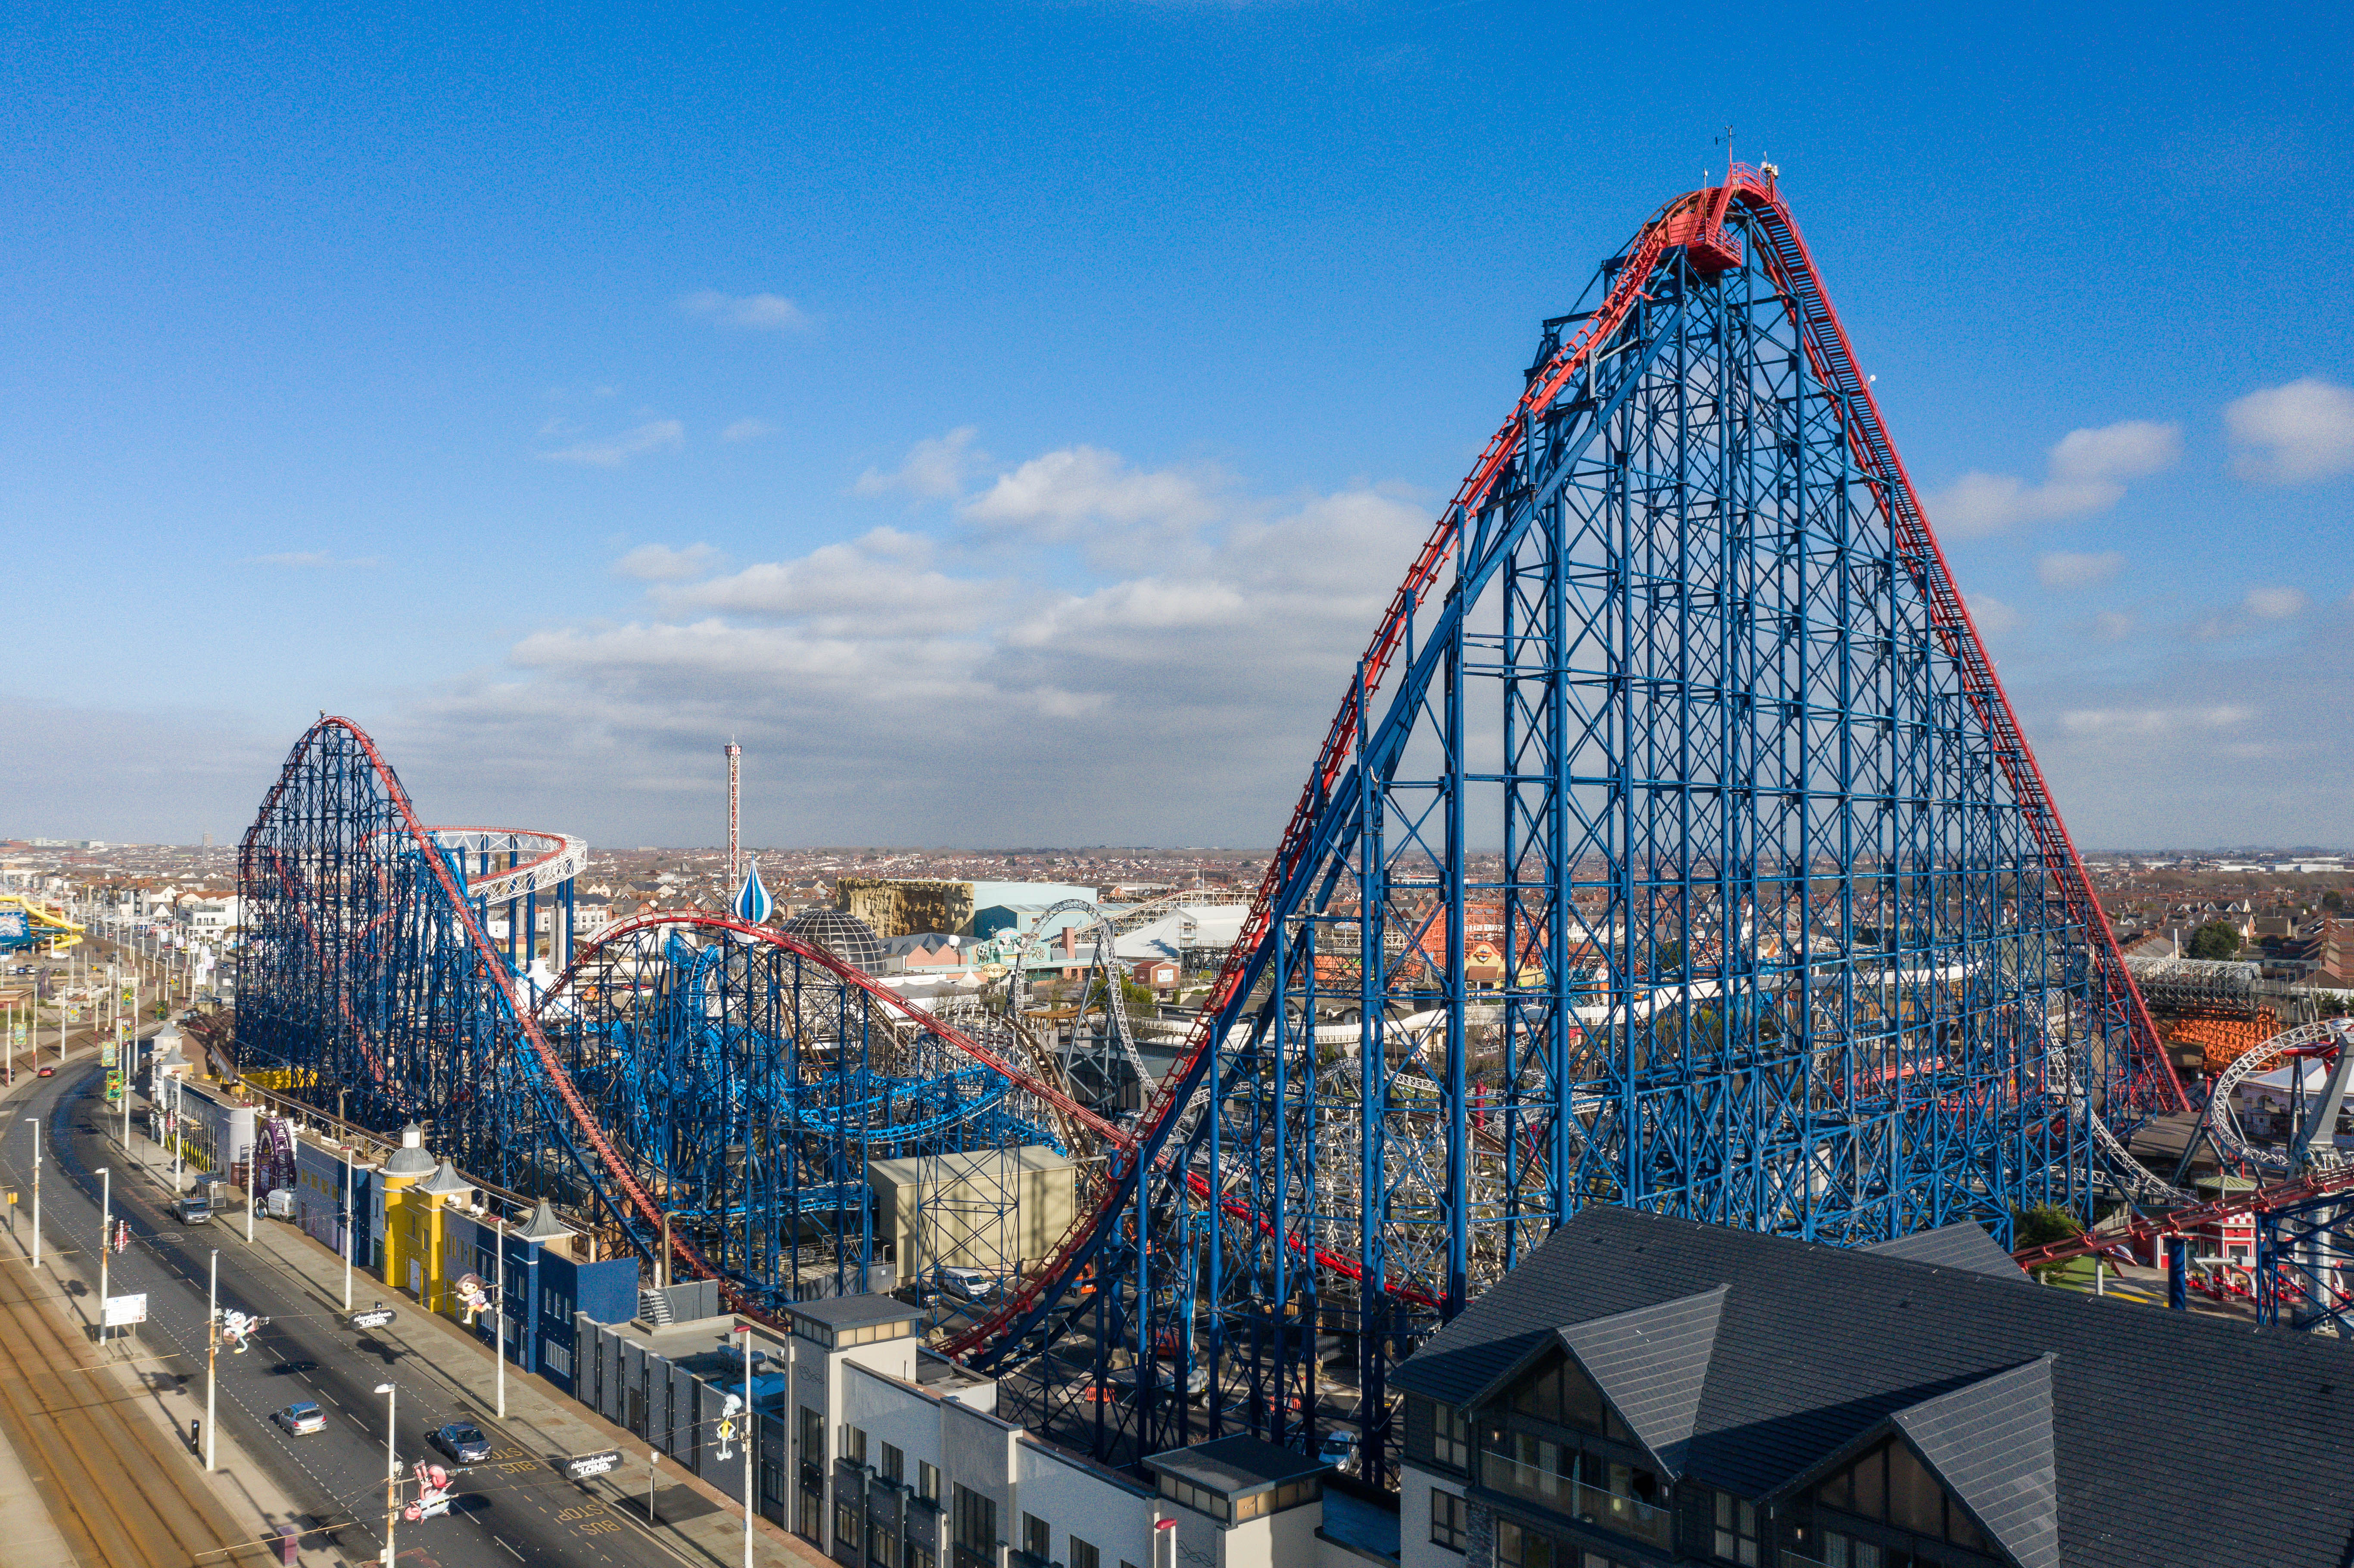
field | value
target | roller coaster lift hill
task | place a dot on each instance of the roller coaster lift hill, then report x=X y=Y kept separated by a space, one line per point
x=1678 y=718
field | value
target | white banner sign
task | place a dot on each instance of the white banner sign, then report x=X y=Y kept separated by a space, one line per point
x=122 y=1311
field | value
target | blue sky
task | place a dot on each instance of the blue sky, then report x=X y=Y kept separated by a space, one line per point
x=977 y=408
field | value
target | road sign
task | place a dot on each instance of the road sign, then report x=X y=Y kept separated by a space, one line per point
x=122 y=1311
x=373 y=1317
x=580 y=1467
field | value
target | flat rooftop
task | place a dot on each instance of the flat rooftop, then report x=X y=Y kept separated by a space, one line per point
x=1237 y=1465
x=839 y=1312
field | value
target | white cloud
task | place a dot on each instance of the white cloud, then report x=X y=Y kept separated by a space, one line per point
x=935 y=688
x=874 y=588
x=747 y=430
x=2114 y=625
x=2069 y=569
x=755 y=313
x=1991 y=615
x=312 y=560
x=935 y=467
x=2152 y=723
x=657 y=436
x=2084 y=472
x=1055 y=496
x=2290 y=434
x=662 y=564
x=2275 y=603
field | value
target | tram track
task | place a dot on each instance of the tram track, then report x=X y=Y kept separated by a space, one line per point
x=121 y=1493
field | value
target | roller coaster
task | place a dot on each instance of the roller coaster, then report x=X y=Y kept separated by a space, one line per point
x=1673 y=844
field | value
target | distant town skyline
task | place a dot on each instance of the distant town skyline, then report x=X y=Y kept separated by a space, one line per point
x=1011 y=427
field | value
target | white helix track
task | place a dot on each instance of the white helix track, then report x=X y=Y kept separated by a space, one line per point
x=2223 y=1116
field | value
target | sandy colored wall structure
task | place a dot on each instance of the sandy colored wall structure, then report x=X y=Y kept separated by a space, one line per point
x=904 y=907
x=959 y=1198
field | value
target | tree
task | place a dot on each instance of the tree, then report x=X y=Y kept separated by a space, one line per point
x=2043 y=1225
x=2335 y=902
x=2215 y=939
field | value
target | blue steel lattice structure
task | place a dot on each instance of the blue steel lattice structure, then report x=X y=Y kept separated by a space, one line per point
x=1674 y=846
x=1680 y=722
x=687 y=1076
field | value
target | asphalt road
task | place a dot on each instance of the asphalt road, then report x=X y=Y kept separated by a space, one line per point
x=512 y=1508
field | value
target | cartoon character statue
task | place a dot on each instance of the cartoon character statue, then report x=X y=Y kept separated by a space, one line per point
x=728 y=1424
x=472 y=1295
x=432 y=1494
x=238 y=1329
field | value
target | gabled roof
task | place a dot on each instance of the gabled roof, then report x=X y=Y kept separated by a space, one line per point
x=1816 y=1346
x=1962 y=1244
x=1650 y=1363
x=1991 y=1443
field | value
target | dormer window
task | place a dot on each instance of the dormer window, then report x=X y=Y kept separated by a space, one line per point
x=1561 y=1395
x=1888 y=1486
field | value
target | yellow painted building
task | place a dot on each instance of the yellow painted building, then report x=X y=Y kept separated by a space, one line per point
x=416 y=1192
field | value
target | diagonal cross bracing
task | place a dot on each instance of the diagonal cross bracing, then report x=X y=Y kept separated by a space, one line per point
x=1674 y=845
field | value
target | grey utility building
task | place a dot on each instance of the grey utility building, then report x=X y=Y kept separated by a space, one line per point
x=1651 y=1390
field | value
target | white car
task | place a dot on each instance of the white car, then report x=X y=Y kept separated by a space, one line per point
x=302 y=1419
x=966 y=1284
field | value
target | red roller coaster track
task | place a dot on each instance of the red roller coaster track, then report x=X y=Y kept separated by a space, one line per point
x=491 y=966
x=1695 y=221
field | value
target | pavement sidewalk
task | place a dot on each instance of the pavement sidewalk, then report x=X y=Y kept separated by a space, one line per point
x=541 y=1418
x=242 y=1484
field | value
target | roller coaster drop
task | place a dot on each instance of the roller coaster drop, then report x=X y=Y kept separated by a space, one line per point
x=1674 y=845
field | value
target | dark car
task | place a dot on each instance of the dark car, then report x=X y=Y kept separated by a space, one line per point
x=462 y=1441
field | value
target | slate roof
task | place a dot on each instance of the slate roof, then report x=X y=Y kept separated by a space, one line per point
x=1651 y=1364
x=2176 y=1438
x=1962 y=1244
x=1991 y=1442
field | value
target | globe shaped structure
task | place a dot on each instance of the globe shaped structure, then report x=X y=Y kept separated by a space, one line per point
x=843 y=934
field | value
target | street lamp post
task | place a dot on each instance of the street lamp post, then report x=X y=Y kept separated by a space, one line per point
x=347 y=1221
x=212 y=1355
x=499 y=1344
x=391 y=1468
x=36 y=1189
x=751 y=1428
x=105 y=1238
x=126 y=1049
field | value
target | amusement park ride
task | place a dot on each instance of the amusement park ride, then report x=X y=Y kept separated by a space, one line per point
x=1786 y=934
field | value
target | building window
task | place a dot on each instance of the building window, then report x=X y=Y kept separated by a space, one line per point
x=1450 y=1436
x=895 y=1466
x=853 y=1443
x=1037 y=1539
x=976 y=1523
x=1194 y=1496
x=1083 y=1554
x=881 y=1547
x=813 y=1436
x=1447 y=1520
x=928 y=1481
x=1519 y=1547
x=917 y=1556
x=845 y=1527
x=1736 y=1530
x=1891 y=1486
